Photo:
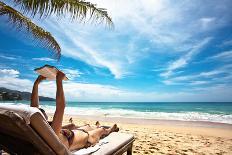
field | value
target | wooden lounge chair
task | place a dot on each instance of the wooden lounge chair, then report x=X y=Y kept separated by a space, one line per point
x=24 y=130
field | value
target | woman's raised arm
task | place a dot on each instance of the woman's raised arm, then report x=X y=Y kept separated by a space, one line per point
x=34 y=94
x=60 y=104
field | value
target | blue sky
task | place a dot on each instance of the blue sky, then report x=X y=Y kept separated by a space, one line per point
x=160 y=50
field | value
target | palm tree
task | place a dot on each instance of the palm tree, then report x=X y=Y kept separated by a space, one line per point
x=77 y=9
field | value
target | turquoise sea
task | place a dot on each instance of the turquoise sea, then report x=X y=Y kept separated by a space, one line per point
x=186 y=111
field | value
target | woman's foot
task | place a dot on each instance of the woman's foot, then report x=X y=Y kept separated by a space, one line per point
x=97 y=124
x=114 y=128
x=71 y=120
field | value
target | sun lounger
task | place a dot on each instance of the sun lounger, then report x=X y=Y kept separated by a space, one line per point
x=24 y=130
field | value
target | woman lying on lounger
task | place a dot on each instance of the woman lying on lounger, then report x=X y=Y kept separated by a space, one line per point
x=71 y=136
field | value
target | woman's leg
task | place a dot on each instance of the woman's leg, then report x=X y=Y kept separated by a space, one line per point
x=87 y=127
x=81 y=138
x=96 y=134
x=71 y=126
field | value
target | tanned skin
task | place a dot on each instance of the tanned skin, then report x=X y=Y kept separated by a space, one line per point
x=80 y=138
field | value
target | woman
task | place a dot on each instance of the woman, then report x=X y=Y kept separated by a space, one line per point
x=71 y=136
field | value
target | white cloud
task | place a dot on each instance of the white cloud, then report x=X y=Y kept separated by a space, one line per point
x=82 y=48
x=184 y=60
x=211 y=73
x=206 y=77
x=44 y=59
x=207 y=22
x=101 y=60
x=222 y=56
x=96 y=92
x=166 y=27
x=199 y=82
x=226 y=43
x=9 y=79
x=75 y=91
x=171 y=82
x=9 y=73
x=160 y=23
x=15 y=83
x=7 y=57
x=72 y=73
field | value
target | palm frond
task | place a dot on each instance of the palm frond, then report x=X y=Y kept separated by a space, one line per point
x=22 y=22
x=77 y=9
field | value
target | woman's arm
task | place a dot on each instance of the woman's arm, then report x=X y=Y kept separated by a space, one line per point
x=60 y=104
x=34 y=94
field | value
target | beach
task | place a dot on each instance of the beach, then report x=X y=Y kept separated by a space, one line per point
x=159 y=69
x=168 y=137
x=158 y=128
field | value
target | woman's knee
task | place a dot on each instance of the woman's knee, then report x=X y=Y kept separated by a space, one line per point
x=94 y=136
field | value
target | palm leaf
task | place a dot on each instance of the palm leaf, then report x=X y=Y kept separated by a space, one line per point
x=77 y=9
x=22 y=22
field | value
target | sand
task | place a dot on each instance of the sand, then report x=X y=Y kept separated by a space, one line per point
x=170 y=137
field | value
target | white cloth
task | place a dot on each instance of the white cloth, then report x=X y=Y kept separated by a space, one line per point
x=24 y=111
x=90 y=150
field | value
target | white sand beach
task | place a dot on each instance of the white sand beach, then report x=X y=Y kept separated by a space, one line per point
x=169 y=137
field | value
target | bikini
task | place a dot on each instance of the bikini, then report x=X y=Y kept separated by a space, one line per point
x=69 y=134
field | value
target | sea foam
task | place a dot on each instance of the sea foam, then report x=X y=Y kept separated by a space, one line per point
x=116 y=112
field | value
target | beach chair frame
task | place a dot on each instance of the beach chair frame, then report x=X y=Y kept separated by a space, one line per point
x=18 y=137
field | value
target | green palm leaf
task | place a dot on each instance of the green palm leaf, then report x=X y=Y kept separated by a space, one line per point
x=77 y=9
x=22 y=22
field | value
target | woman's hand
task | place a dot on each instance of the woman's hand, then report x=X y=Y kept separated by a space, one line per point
x=40 y=78
x=60 y=76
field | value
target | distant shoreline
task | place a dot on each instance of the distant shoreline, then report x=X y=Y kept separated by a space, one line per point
x=15 y=95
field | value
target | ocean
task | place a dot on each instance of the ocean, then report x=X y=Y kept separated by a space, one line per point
x=220 y=112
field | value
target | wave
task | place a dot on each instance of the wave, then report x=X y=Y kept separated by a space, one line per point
x=113 y=112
